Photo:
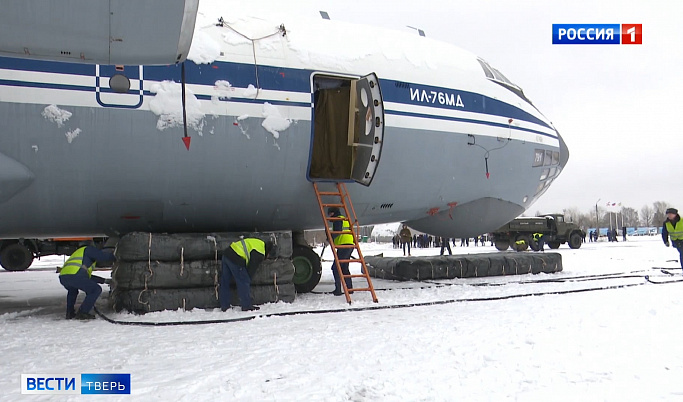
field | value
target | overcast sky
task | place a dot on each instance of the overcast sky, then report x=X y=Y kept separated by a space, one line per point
x=616 y=106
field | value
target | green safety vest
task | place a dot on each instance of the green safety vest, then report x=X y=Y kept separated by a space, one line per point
x=676 y=232
x=345 y=238
x=75 y=263
x=537 y=236
x=243 y=247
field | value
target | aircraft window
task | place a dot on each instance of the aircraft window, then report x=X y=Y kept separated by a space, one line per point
x=538 y=157
x=498 y=77
x=556 y=158
x=539 y=188
x=119 y=83
x=487 y=69
x=548 y=158
x=544 y=175
x=553 y=172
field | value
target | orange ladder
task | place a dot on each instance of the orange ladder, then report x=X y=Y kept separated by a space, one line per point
x=344 y=201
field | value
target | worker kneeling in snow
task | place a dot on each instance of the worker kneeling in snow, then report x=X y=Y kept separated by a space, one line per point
x=76 y=274
x=240 y=261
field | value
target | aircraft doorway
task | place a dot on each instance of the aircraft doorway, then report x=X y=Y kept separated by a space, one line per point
x=348 y=128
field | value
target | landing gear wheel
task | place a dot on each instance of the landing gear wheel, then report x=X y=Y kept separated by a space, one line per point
x=307 y=268
x=502 y=245
x=16 y=257
x=575 y=240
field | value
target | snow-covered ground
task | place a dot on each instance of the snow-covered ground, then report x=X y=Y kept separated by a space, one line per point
x=620 y=344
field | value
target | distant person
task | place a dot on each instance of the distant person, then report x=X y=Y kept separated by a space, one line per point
x=673 y=228
x=76 y=274
x=240 y=261
x=445 y=244
x=343 y=253
x=406 y=238
x=520 y=245
x=623 y=233
x=540 y=241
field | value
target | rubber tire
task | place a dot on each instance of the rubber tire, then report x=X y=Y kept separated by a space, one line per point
x=574 y=240
x=307 y=268
x=502 y=245
x=16 y=257
x=553 y=244
x=533 y=244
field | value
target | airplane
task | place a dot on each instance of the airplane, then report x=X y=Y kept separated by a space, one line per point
x=232 y=139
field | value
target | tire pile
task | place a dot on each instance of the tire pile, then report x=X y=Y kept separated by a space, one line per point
x=155 y=272
x=462 y=266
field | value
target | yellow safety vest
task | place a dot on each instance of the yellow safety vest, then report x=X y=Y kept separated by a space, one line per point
x=244 y=250
x=345 y=238
x=676 y=232
x=75 y=262
x=537 y=236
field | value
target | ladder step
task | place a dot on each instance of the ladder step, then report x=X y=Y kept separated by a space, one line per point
x=333 y=205
x=352 y=260
x=359 y=290
x=341 y=232
x=335 y=218
x=345 y=246
x=354 y=276
x=329 y=193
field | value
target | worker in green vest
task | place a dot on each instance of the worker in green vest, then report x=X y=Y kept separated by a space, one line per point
x=540 y=241
x=673 y=228
x=344 y=253
x=76 y=274
x=240 y=261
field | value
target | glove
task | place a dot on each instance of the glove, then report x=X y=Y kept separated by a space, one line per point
x=666 y=243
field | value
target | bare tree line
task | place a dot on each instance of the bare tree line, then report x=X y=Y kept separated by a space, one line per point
x=648 y=216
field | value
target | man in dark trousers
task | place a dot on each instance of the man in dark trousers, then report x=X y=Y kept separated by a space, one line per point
x=240 y=261
x=76 y=274
x=445 y=244
x=673 y=228
x=540 y=241
x=344 y=253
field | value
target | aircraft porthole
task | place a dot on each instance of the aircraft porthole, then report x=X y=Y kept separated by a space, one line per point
x=119 y=83
x=364 y=96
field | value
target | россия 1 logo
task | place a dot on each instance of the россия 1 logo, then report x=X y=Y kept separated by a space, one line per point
x=597 y=34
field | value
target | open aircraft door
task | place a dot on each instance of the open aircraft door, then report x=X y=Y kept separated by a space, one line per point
x=366 y=127
x=348 y=128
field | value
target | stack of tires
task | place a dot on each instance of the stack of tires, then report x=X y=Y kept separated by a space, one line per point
x=462 y=266
x=157 y=272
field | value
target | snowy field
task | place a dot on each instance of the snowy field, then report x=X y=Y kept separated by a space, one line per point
x=617 y=344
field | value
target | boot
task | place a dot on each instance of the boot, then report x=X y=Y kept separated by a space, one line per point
x=251 y=308
x=84 y=316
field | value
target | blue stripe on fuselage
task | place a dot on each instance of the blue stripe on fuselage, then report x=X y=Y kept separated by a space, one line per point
x=285 y=79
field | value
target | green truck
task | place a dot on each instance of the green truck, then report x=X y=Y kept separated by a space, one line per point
x=554 y=228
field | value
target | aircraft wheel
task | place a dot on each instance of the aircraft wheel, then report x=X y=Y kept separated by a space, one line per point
x=307 y=268
x=502 y=245
x=553 y=244
x=575 y=240
x=16 y=257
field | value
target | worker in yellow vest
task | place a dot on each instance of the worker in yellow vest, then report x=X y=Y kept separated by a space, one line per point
x=343 y=253
x=540 y=241
x=76 y=274
x=673 y=228
x=240 y=261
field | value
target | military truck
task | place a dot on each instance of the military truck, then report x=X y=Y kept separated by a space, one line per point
x=554 y=228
